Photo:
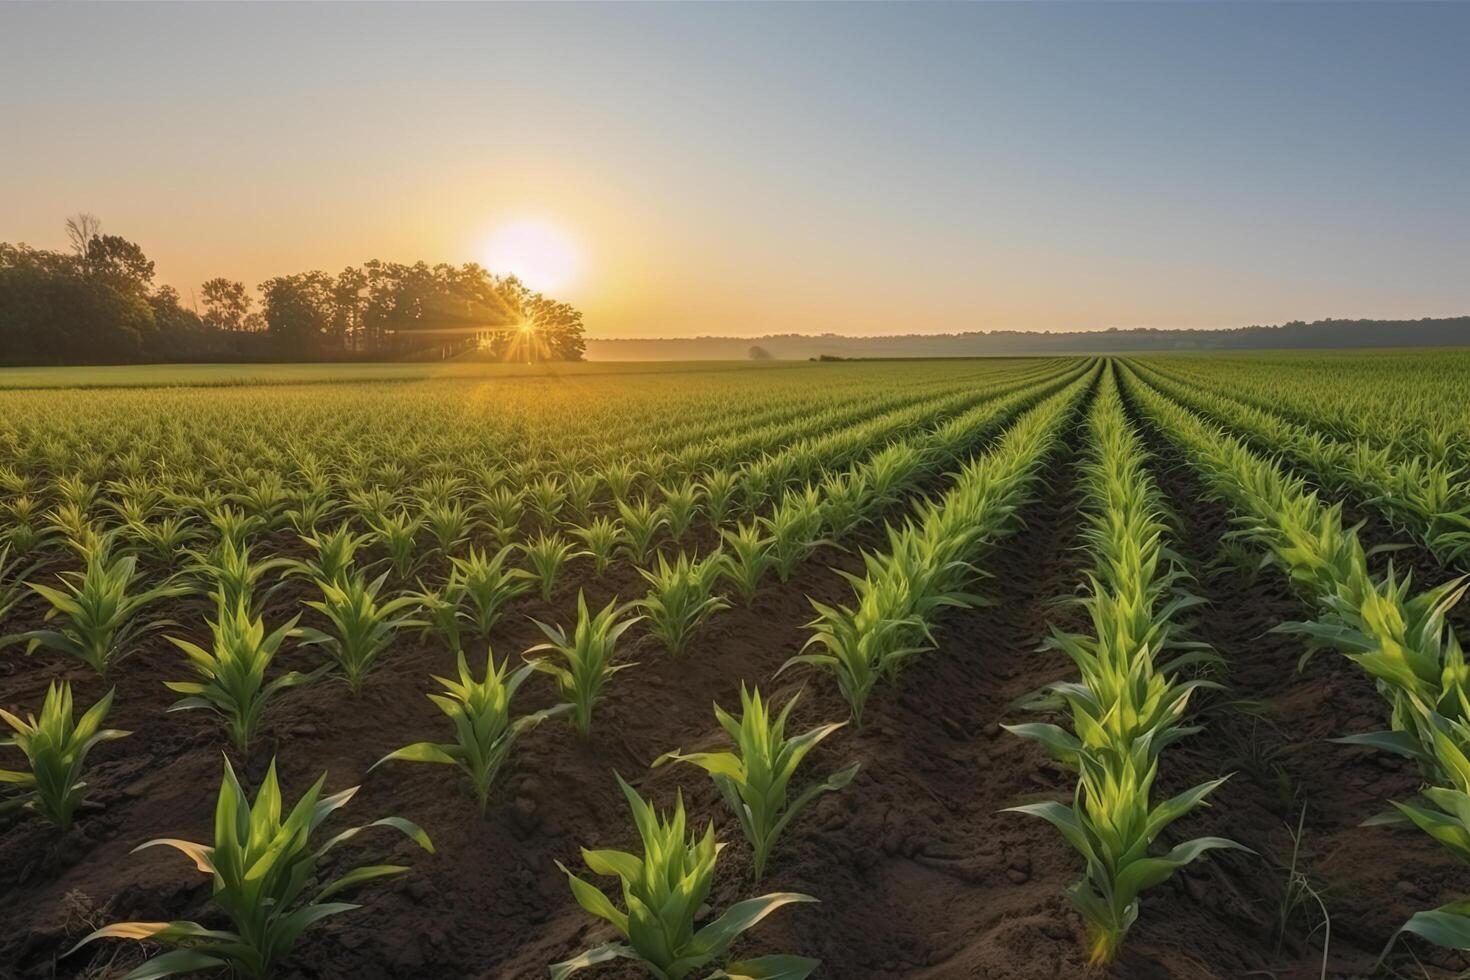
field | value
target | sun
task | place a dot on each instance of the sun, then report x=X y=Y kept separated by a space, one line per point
x=540 y=254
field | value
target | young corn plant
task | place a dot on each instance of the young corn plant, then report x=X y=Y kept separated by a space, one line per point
x=308 y=515
x=547 y=496
x=488 y=583
x=795 y=527
x=504 y=507
x=755 y=778
x=620 y=478
x=846 y=497
x=162 y=540
x=442 y=611
x=663 y=891
x=587 y=656
x=233 y=671
x=547 y=554
x=56 y=747
x=1442 y=812
x=719 y=494
x=581 y=494
x=97 y=613
x=363 y=626
x=641 y=523
x=398 y=534
x=332 y=555
x=233 y=525
x=1113 y=825
x=748 y=559
x=854 y=643
x=262 y=860
x=448 y=522
x=681 y=598
x=599 y=536
x=484 y=730
x=681 y=504
x=229 y=573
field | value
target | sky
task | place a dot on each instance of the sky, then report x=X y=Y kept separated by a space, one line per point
x=722 y=169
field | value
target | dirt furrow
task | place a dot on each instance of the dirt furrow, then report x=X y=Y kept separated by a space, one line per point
x=1270 y=729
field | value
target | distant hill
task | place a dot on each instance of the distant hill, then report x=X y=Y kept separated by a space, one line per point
x=1447 y=332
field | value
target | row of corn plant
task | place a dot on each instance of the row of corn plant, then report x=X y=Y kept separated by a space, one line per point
x=1137 y=673
x=395 y=513
x=1398 y=636
x=682 y=594
x=928 y=564
x=1423 y=497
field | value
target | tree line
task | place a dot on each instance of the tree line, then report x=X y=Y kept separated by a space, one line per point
x=96 y=303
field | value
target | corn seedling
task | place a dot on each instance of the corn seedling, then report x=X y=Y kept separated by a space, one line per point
x=586 y=656
x=600 y=536
x=795 y=528
x=663 y=891
x=755 y=777
x=484 y=730
x=261 y=863
x=96 y=611
x=363 y=627
x=641 y=523
x=1113 y=826
x=504 y=506
x=163 y=540
x=332 y=556
x=56 y=747
x=488 y=583
x=681 y=505
x=680 y=598
x=581 y=494
x=233 y=683
x=234 y=526
x=398 y=535
x=547 y=496
x=748 y=559
x=229 y=573
x=719 y=494
x=442 y=611
x=547 y=554
x=448 y=522
x=620 y=478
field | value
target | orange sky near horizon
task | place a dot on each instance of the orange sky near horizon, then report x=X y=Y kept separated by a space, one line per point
x=743 y=170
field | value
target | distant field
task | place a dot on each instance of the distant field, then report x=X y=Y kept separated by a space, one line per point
x=163 y=375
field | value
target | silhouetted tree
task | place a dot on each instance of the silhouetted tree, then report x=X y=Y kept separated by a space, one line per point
x=226 y=303
x=98 y=304
x=298 y=312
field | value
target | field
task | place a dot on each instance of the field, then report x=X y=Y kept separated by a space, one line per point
x=1107 y=665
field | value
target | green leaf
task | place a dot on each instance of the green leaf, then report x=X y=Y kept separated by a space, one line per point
x=719 y=934
x=175 y=961
x=775 y=967
x=602 y=954
x=358 y=875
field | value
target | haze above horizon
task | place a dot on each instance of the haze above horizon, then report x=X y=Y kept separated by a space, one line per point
x=714 y=169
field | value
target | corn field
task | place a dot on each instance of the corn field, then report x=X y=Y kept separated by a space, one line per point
x=1003 y=668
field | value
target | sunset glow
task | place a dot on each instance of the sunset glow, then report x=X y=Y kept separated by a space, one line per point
x=537 y=252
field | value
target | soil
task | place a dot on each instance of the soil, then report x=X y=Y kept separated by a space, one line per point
x=919 y=873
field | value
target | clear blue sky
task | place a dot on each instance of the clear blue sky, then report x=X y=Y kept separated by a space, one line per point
x=738 y=169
